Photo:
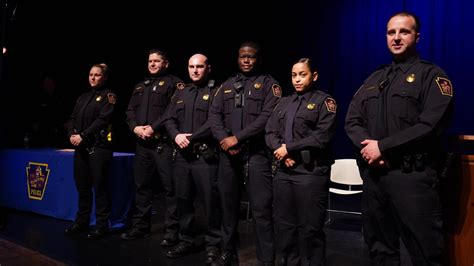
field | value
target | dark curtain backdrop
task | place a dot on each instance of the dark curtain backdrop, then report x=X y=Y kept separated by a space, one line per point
x=345 y=38
x=348 y=43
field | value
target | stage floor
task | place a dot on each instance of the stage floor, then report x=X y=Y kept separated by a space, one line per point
x=43 y=236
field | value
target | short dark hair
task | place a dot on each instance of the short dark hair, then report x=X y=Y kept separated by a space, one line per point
x=159 y=52
x=409 y=14
x=251 y=44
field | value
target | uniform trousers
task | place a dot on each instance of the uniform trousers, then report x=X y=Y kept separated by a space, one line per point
x=254 y=169
x=91 y=171
x=150 y=160
x=195 y=176
x=402 y=205
x=301 y=199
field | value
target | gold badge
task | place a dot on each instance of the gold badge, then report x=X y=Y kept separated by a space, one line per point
x=257 y=85
x=161 y=83
x=205 y=97
x=227 y=91
x=310 y=106
x=98 y=98
x=411 y=78
x=445 y=86
x=330 y=105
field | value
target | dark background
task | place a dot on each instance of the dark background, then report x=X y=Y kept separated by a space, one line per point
x=346 y=40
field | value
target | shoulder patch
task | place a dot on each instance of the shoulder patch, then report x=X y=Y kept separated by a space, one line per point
x=330 y=105
x=112 y=98
x=180 y=85
x=276 y=89
x=445 y=86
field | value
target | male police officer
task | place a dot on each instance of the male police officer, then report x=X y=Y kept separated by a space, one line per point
x=195 y=169
x=238 y=115
x=145 y=117
x=397 y=119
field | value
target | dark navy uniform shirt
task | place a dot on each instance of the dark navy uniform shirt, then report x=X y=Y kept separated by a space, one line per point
x=313 y=127
x=91 y=114
x=260 y=94
x=188 y=112
x=405 y=106
x=149 y=101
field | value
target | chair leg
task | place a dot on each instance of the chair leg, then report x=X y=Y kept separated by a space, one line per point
x=328 y=210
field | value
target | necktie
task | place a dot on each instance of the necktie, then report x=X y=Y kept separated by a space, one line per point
x=189 y=111
x=146 y=103
x=384 y=86
x=290 y=118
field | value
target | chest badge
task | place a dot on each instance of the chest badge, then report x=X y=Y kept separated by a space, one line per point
x=161 y=83
x=227 y=91
x=310 y=106
x=205 y=97
x=98 y=98
x=257 y=85
x=411 y=78
x=154 y=88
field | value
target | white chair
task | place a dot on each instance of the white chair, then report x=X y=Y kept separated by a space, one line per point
x=345 y=172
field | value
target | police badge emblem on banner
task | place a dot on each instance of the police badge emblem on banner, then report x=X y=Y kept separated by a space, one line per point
x=37 y=177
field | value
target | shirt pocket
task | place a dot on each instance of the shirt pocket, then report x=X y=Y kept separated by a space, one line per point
x=228 y=99
x=158 y=98
x=180 y=112
x=201 y=110
x=306 y=120
x=406 y=103
x=254 y=102
x=371 y=103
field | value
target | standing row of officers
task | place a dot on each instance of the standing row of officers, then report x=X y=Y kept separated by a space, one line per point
x=210 y=141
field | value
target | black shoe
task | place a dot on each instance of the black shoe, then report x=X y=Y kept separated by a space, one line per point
x=133 y=234
x=212 y=255
x=167 y=242
x=75 y=229
x=181 y=250
x=97 y=233
x=227 y=259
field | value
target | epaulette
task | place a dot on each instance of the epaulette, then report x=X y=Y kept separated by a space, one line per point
x=426 y=62
x=217 y=91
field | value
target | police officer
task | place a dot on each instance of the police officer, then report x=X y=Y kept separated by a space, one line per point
x=396 y=120
x=238 y=115
x=299 y=132
x=195 y=169
x=88 y=130
x=145 y=117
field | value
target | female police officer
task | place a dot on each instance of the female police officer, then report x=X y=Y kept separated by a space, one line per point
x=299 y=131
x=88 y=131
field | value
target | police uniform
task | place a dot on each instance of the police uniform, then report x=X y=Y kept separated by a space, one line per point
x=241 y=108
x=195 y=168
x=147 y=106
x=92 y=118
x=406 y=106
x=299 y=232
